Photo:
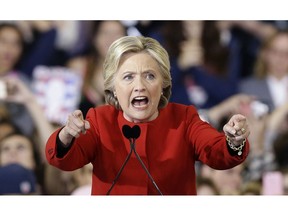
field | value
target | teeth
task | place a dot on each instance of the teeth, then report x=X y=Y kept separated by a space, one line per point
x=140 y=98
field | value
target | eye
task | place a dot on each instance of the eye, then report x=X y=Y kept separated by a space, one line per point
x=128 y=77
x=21 y=147
x=150 y=76
x=4 y=149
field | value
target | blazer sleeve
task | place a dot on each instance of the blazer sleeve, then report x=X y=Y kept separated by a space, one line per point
x=82 y=151
x=209 y=145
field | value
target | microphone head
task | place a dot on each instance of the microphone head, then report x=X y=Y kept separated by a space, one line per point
x=136 y=131
x=127 y=131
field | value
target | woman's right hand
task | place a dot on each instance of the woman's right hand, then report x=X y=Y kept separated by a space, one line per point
x=75 y=125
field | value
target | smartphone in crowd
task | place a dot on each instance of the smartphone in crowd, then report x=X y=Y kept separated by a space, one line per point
x=273 y=183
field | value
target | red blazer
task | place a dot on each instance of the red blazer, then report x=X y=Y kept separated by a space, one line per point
x=168 y=146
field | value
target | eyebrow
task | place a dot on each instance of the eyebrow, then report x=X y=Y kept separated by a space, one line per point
x=134 y=72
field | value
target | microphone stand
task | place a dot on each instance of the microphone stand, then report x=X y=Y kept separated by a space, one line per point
x=132 y=134
x=121 y=169
x=145 y=168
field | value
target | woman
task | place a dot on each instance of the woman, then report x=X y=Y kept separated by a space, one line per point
x=270 y=82
x=20 y=150
x=17 y=148
x=137 y=88
x=11 y=49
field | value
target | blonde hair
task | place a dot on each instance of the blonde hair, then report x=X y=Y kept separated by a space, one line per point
x=135 y=44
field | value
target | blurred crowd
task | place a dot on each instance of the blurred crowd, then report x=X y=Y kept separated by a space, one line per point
x=48 y=68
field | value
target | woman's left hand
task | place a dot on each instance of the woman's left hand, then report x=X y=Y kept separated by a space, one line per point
x=237 y=129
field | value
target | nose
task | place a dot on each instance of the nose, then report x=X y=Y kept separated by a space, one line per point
x=13 y=153
x=12 y=156
x=139 y=85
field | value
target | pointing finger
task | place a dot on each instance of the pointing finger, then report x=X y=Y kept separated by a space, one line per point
x=78 y=113
x=87 y=125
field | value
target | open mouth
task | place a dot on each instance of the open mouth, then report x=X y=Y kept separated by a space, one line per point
x=140 y=101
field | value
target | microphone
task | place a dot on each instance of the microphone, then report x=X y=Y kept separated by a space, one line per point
x=136 y=131
x=132 y=134
x=126 y=130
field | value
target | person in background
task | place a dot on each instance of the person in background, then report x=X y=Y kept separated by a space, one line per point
x=246 y=37
x=91 y=64
x=22 y=95
x=50 y=180
x=228 y=182
x=16 y=148
x=270 y=80
x=221 y=112
x=11 y=48
x=278 y=128
x=263 y=128
x=137 y=84
x=201 y=62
